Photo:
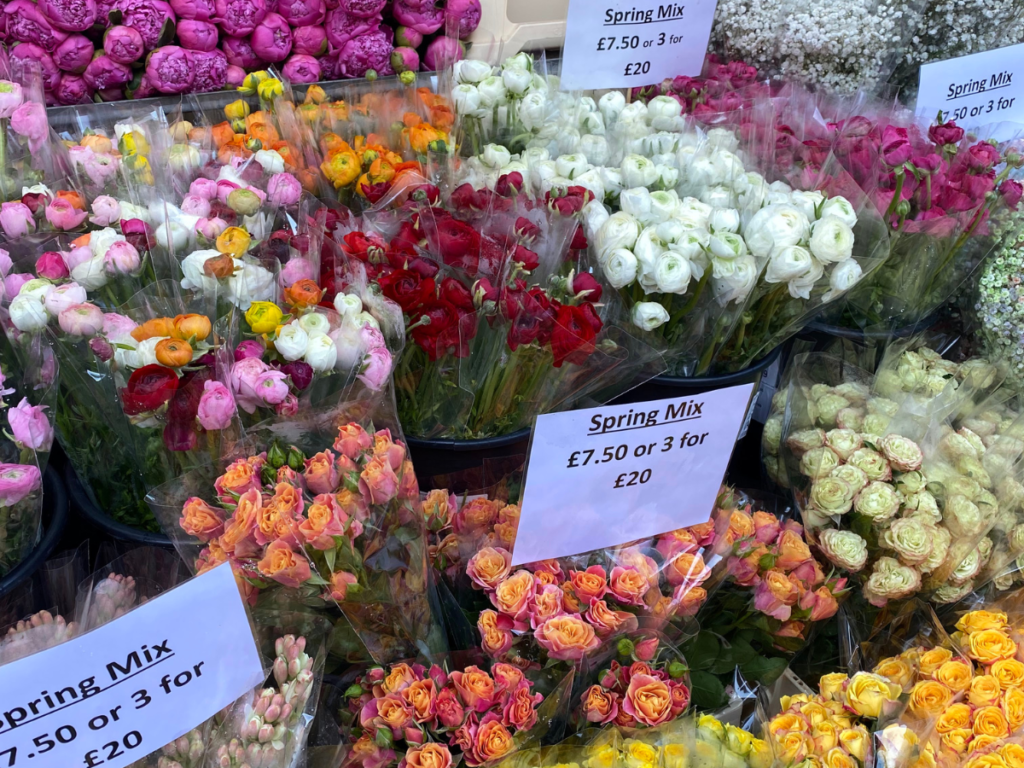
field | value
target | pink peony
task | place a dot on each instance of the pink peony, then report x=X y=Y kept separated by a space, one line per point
x=31 y=57
x=272 y=38
x=26 y=23
x=366 y=53
x=211 y=68
x=69 y=15
x=363 y=9
x=17 y=481
x=74 y=54
x=405 y=60
x=239 y=18
x=309 y=41
x=442 y=52
x=148 y=17
x=462 y=17
x=408 y=37
x=240 y=53
x=30 y=425
x=342 y=27
x=302 y=13
x=104 y=72
x=72 y=89
x=301 y=68
x=16 y=220
x=197 y=35
x=421 y=15
x=235 y=76
x=216 y=406
x=170 y=69
x=203 y=10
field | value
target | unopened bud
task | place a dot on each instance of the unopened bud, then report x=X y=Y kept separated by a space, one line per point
x=280 y=670
x=625 y=647
x=296 y=460
x=276 y=457
x=677 y=669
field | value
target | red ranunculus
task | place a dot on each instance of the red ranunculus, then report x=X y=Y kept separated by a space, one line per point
x=180 y=429
x=364 y=248
x=467 y=198
x=585 y=281
x=408 y=237
x=573 y=337
x=458 y=294
x=148 y=388
x=509 y=184
x=579 y=240
x=433 y=336
x=138 y=233
x=406 y=288
x=457 y=242
x=527 y=258
x=571 y=201
x=424 y=266
x=526 y=229
x=486 y=290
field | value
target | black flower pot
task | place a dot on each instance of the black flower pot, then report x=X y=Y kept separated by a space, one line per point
x=83 y=506
x=55 y=517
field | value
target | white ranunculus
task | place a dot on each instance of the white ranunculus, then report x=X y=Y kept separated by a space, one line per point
x=466 y=98
x=595 y=148
x=142 y=354
x=671 y=231
x=365 y=318
x=568 y=141
x=648 y=250
x=91 y=274
x=693 y=204
x=348 y=304
x=542 y=172
x=723 y=138
x=841 y=208
x=192 y=268
x=515 y=166
x=250 y=283
x=800 y=287
x=664 y=106
x=64 y=296
x=690 y=245
x=533 y=155
x=270 y=160
x=684 y=158
x=672 y=273
x=612 y=178
x=572 y=166
x=663 y=204
x=591 y=180
x=780 y=186
x=806 y=202
x=620 y=231
x=132 y=211
x=648 y=315
x=558 y=182
x=492 y=92
x=586 y=104
x=28 y=313
x=728 y=167
x=753 y=193
x=611 y=106
x=831 y=240
x=735 y=284
x=495 y=156
x=661 y=143
x=788 y=264
x=37 y=288
x=635 y=111
x=775 y=226
x=638 y=171
x=291 y=342
x=594 y=216
x=101 y=240
x=727 y=245
x=315 y=324
x=620 y=268
x=183 y=157
x=700 y=174
x=636 y=202
x=521 y=60
x=844 y=276
x=516 y=81
x=348 y=345
x=668 y=177
x=471 y=71
x=724 y=220
x=322 y=353
x=174 y=236
x=533 y=110
x=592 y=123
x=719 y=196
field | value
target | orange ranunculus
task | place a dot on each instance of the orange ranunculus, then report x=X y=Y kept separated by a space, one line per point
x=955 y=674
x=187 y=326
x=155 y=328
x=930 y=661
x=222 y=134
x=219 y=267
x=174 y=353
x=929 y=698
x=201 y=520
x=421 y=136
x=990 y=721
x=331 y=143
x=990 y=645
x=233 y=241
x=76 y=200
x=985 y=691
x=98 y=143
x=264 y=132
x=341 y=168
x=82 y=240
x=303 y=293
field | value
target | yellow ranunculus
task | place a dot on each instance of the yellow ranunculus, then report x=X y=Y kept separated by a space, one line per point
x=233 y=241
x=263 y=316
x=675 y=755
x=270 y=89
x=712 y=726
x=867 y=694
x=236 y=110
x=252 y=82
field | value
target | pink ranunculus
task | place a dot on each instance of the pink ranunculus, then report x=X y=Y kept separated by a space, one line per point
x=211 y=229
x=245 y=379
x=51 y=265
x=16 y=220
x=404 y=59
x=83 y=320
x=204 y=188
x=105 y=211
x=895 y=148
x=194 y=205
x=11 y=97
x=296 y=269
x=283 y=188
x=17 y=481
x=376 y=368
x=284 y=565
x=117 y=326
x=225 y=188
x=216 y=406
x=13 y=283
x=63 y=215
x=287 y=407
x=121 y=258
x=30 y=425
x=946 y=133
x=982 y=156
x=5 y=263
x=249 y=348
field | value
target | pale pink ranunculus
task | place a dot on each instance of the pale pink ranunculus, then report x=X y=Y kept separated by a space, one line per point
x=84 y=320
x=17 y=481
x=284 y=189
x=376 y=368
x=13 y=283
x=30 y=425
x=105 y=211
x=194 y=205
x=121 y=258
x=116 y=326
x=77 y=256
x=63 y=297
x=16 y=219
x=204 y=188
x=29 y=120
x=296 y=269
x=246 y=380
x=216 y=406
x=63 y=215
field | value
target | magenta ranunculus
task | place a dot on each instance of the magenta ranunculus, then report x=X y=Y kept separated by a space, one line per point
x=408 y=37
x=462 y=17
x=239 y=17
x=16 y=220
x=17 y=481
x=309 y=41
x=284 y=189
x=982 y=156
x=74 y=54
x=203 y=10
x=123 y=44
x=197 y=35
x=240 y=53
x=341 y=27
x=364 y=9
x=272 y=38
x=235 y=76
x=27 y=24
x=895 y=148
x=1011 y=191
x=303 y=13
x=29 y=56
x=103 y=73
x=169 y=69
x=249 y=348
x=85 y=320
x=211 y=71
x=72 y=89
x=51 y=266
x=301 y=68
x=216 y=406
x=150 y=17
x=69 y=15
x=30 y=425
x=405 y=60
x=946 y=133
x=425 y=17
x=365 y=53
x=443 y=52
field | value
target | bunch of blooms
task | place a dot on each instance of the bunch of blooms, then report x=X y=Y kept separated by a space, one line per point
x=646 y=693
x=412 y=715
x=727 y=744
x=998 y=303
x=25 y=152
x=38 y=632
x=712 y=93
x=139 y=48
x=457 y=531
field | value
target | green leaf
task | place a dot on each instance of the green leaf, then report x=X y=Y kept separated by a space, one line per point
x=707 y=691
x=763 y=670
x=329 y=557
x=742 y=650
x=702 y=651
x=724 y=664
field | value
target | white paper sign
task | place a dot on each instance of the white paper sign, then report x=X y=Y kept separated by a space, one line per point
x=975 y=90
x=116 y=694
x=625 y=43
x=604 y=476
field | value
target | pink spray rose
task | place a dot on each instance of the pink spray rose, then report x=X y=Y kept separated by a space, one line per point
x=30 y=426
x=17 y=481
x=216 y=406
x=284 y=565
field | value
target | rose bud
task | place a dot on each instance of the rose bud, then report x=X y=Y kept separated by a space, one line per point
x=170 y=69
x=443 y=52
x=272 y=38
x=211 y=68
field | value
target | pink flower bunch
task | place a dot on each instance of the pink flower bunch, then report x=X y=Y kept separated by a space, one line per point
x=470 y=711
x=278 y=515
x=711 y=93
x=644 y=694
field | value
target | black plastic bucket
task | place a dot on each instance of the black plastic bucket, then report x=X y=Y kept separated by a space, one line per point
x=664 y=387
x=55 y=517
x=467 y=465
x=822 y=333
x=84 y=507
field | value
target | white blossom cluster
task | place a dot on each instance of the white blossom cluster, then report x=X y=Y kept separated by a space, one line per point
x=1000 y=302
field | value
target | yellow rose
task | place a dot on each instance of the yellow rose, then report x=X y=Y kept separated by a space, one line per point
x=929 y=698
x=837 y=758
x=787 y=722
x=1013 y=706
x=985 y=691
x=990 y=645
x=955 y=675
x=639 y=755
x=990 y=721
x=1012 y=754
x=981 y=744
x=867 y=694
x=798 y=698
x=897 y=670
x=793 y=747
x=761 y=755
x=925 y=758
x=955 y=717
x=737 y=740
x=263 y=316
x=956 y=740
x=711 y=725
x=814 y=712
x=831 y=685
x=675 y=755
x=855 y=741
x=930 y=661
x=604 y=756
x=991 y=760
x=977 y=621
x=1009 y=673
x=826 y=736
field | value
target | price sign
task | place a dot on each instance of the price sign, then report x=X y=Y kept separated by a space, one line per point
x=618 y=44
x=604 y=476
x=116 y=694
x=976 y=90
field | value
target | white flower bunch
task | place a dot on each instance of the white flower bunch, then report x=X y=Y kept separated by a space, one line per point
x=306 y=338
x=248 y=283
